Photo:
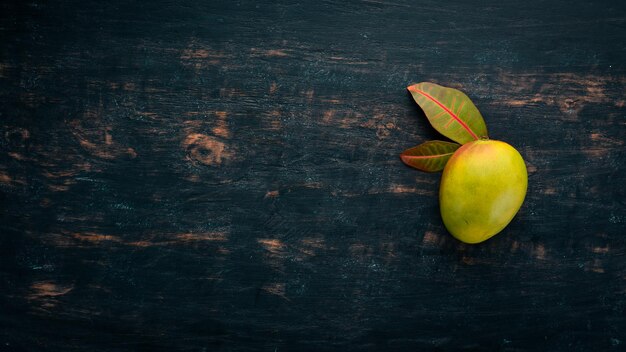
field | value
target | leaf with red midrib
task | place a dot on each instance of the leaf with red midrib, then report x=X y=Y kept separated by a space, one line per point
x=450 y=112
x=431 y=156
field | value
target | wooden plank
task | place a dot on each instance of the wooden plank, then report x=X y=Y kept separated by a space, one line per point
x=226 y=176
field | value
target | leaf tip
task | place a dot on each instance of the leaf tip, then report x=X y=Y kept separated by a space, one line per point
x=404 y=158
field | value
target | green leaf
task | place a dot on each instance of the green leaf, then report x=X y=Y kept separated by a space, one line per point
x=450 y=112
x=430 y=156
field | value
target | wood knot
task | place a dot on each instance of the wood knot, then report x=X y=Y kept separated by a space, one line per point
x=205 y=149
x=571 y=106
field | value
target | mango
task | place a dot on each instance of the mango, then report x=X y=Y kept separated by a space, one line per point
x=482 y=188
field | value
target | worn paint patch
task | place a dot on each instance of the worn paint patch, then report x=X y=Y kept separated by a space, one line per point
x=256 y=52
x=274 y=246
x=597 y=266
x=309 y=247
x=199 y=58
x=276 y=288
x=600 y=249
x=361 y=251
x=98 y=140
x=596 y=153
x=403 y=189
x=58 y=188
x=309 y=94
x=604 y=141
x=49 y=289
x=226 y=92
x=272 y=194
x=17 y=156
x=275 y=123
x=549 y=191
x=273 y=88
x=430 y=238
x=95 y=238
x=152 y=240
x=568 y=91
x=539 y=251
x=328 y=116
x=275 y=253
x=221 y=126
x=194 y=54
x=5 y=178
x=46 y=293
x=207 y=236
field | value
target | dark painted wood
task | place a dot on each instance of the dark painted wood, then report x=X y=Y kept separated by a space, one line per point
x=224 y=176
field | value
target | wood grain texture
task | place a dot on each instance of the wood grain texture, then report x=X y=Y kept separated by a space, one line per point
x=224 y=176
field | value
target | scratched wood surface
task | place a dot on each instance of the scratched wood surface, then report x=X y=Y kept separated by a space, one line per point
x=224 y=176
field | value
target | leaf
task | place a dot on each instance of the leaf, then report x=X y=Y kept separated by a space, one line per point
x=450 y=112
x=430 y=156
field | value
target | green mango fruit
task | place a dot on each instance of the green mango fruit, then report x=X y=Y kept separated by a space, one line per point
x=482 y=188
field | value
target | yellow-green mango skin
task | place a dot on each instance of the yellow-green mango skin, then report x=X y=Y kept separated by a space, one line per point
x=482 y=188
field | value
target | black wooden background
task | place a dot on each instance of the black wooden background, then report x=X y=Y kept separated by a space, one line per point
x=224 y=176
